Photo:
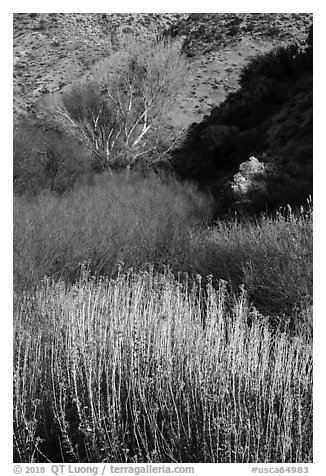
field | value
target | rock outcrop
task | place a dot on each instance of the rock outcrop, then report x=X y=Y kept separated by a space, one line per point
x=250 y=183
x=250 y=179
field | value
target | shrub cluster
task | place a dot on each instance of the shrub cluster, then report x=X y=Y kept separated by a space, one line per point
x=121 y=220
x=271 y=255
x=269 y=116
x=46 y=158
x=132 y=221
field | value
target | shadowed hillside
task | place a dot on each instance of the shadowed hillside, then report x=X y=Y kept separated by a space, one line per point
x=271 y=118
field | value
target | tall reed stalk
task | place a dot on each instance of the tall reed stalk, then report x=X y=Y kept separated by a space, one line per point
x=140 y=369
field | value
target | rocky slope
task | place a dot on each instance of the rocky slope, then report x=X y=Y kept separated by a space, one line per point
x=53 y=50
x=229 y=115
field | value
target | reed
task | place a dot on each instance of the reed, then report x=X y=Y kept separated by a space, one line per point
x=124 y=370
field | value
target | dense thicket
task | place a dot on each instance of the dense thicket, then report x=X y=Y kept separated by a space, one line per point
x=122 y=222
x=122 y=371
x=270 y=116
x=45 y=158
x=118 y=221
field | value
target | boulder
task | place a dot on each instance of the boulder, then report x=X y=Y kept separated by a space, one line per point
x=251 y=179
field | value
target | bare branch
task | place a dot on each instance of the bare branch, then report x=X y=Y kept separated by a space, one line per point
x=128 y=110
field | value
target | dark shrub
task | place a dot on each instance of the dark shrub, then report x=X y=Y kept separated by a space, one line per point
x=233 y=30
x=53 y=17
x=272 y=31
x=277 y=64
x=45 y=158
x=41 y=26
x=271 y=110
x=235 y=21
x=250 y=26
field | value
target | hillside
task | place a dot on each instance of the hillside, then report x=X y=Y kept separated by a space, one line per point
x=51 y=51
x=269 y=118
x=228 y=115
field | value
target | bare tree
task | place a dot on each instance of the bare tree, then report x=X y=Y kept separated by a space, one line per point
x=122 y=111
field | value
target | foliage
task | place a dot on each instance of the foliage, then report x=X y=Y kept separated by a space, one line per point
x=124 y=371
x=45 y=158
x=121 y=113
x=134 y=221
x=280 y=63
x=270 y=116
x=120 y=220
x=271 y=255
x=233 y=30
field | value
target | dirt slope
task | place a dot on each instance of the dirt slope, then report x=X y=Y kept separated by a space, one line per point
x=53 y=50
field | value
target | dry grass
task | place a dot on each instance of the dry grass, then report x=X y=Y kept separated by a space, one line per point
x=150 y=366
x=125 y=371
x=272 y=256
x=135 y=221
